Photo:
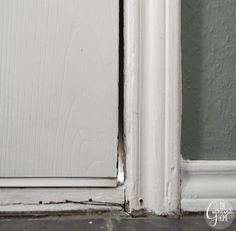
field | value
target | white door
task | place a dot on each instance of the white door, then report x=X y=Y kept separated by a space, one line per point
x=58 y=92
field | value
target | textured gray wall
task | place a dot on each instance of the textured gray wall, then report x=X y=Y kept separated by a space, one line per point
x=209 y=79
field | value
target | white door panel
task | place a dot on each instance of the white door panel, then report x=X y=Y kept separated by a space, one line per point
x=58 y=88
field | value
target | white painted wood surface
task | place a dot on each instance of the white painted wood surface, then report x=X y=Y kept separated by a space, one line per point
x=161 y=194
x=58 y=182
x=204 y=181
x=131 y=101
x=59 y=199
x=153 y=104
x=58 y=88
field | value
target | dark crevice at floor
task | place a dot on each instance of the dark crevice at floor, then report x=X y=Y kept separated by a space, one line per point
x=120 y=165
x=121 y=65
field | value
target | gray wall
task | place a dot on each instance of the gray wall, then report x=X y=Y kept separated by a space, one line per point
x=209 y=79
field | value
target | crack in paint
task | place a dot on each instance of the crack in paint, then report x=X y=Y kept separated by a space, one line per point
x=94 y=203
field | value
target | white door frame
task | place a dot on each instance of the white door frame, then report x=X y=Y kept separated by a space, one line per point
x=152 y=118
x=156 y=173
x=153 y=104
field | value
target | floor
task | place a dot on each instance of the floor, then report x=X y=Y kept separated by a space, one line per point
x=105 y=222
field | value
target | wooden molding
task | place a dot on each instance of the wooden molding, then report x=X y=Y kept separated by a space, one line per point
x=204 y=181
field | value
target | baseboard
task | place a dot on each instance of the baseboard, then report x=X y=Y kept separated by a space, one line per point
x=204 y=181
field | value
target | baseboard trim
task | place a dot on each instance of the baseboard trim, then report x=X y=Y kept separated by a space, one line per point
x=204 y=181
x=200 y=205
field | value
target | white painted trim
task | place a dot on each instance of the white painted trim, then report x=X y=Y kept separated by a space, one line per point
x=153 y=104
x=61 y=207
x=173 y=105
x=131 y=101
x=58 y=182
x=60 y=199
x=204 y=181
x=152 y=95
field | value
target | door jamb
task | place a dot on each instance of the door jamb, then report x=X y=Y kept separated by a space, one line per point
x=152 y=110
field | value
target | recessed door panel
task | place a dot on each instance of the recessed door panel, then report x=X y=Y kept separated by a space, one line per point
x=58 y=88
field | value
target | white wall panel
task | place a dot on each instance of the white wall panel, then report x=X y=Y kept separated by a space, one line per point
x=58 y=88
